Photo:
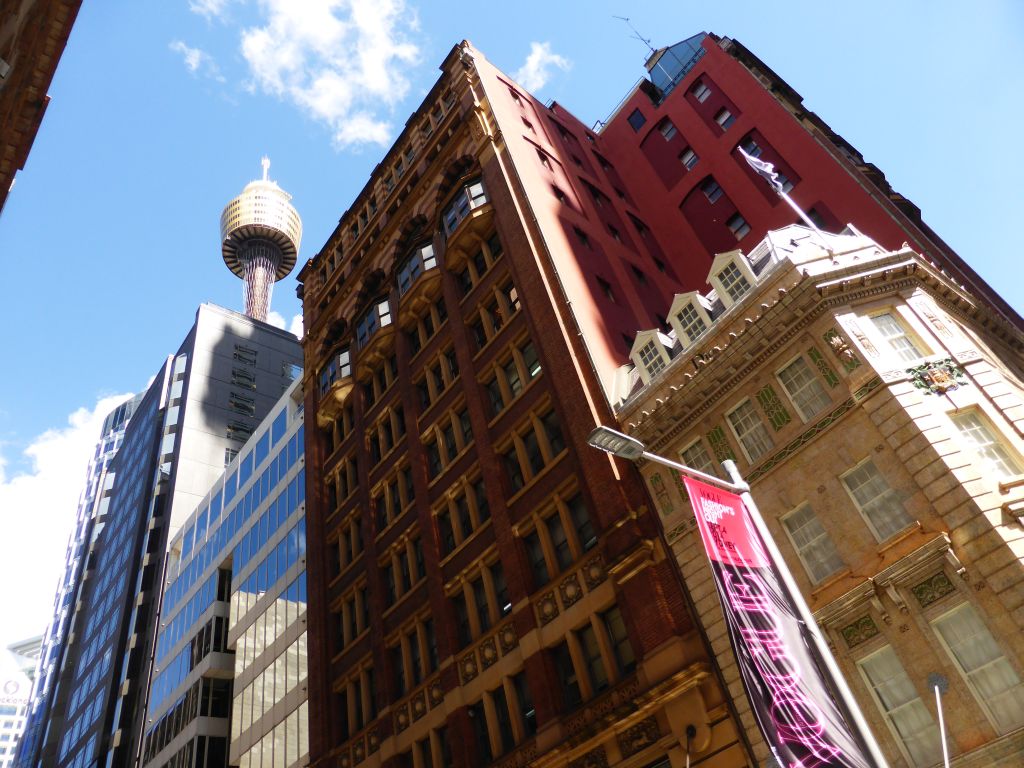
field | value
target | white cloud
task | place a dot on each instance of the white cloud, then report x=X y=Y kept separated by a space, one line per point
x=342 y=62
x=197 y=61
x=37 y=513
x=277 y=320
x=536 y=70
x=209 y=9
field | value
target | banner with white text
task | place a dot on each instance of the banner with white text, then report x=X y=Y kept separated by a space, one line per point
x=781 y=670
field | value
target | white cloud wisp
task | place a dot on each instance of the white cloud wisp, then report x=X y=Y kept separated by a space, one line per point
x=197 y=61
x=37 y=513
x=342 y=62
x=537 y=69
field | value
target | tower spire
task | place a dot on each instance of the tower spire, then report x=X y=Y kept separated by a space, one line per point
x=265 y=162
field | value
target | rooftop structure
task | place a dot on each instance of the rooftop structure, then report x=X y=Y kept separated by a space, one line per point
x=260 y=233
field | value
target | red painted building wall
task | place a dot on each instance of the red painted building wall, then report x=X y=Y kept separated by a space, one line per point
x=830 y=178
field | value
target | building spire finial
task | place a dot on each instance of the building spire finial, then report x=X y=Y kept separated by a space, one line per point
x=265 y=162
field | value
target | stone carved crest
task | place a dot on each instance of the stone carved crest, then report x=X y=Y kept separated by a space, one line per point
x=640 y=736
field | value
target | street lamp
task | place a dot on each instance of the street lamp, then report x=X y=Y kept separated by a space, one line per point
x=627 y=447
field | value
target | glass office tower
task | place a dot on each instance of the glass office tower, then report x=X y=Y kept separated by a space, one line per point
x=232 y=641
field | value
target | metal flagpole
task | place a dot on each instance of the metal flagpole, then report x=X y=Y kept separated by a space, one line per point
x=939 y=684
x=630 y=448
x=767 y=172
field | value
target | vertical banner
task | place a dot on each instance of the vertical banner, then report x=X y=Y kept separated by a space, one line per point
x=781 y=672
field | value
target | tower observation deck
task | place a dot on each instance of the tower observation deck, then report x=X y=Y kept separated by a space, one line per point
x=260 y=233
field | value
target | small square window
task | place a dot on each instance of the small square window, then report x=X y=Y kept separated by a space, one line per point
x=700 y=91
x=688 y=158
x=650 y=356
x=738 y=226
x=724 y=118
x=692 y=323
x=711 y=190
x=733 y=281
x=637 y=119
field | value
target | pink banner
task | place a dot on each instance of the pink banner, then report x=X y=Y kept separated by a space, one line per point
x=782 y=672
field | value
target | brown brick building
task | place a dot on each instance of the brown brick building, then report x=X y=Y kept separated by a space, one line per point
x=483 y=587
x=33 y=34
x=877 y=409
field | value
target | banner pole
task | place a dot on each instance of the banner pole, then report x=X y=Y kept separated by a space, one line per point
x=857 y=722
x=942 y=727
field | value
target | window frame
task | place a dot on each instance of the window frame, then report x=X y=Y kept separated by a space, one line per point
x=812 y=577
x=760 y=421
x=867 y=520
x=815 y=378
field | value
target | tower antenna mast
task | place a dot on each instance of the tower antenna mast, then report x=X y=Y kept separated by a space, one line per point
x=636 y=33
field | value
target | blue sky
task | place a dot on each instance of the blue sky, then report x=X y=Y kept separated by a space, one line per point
x=161 y=110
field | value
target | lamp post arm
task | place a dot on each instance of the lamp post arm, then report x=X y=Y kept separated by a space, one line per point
x=740 y=487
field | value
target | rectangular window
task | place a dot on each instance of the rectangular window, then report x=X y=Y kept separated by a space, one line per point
x=615 y=625
x=711 y=189
x=666 y=129
x=572 y=697
x=592 y=657
x=804 y=388
x=636 y=119
x=650 y=357
x=977 y=435
x=879 y=503
x=700 y=91
x=724 y=118
x=895 y=334
x=688 y=158
x=738 y=226
x=814 y=546
x=750 y=430
x=692 y=323
x=733 y=281
x=908 y=717
x=697 y=457
x=991 y=677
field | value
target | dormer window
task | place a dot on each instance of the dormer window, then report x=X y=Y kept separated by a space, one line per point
x=650 y=357
x=378 y=316
x=339 y=367
x=733 y=281
x=418 y=262
x=650 y=354
x=469 y=197
x=691 y=322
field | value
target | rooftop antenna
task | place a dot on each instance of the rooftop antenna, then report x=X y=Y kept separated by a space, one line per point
x=265 y=162
x=636 y=33
x=646 y=41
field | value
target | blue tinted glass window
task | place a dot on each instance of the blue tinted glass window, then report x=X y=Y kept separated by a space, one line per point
x=245 y=470
x=231 y=486
x=279 y=426
x=262 y=448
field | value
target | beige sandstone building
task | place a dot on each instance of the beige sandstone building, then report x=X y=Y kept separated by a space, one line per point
x=877 y=410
